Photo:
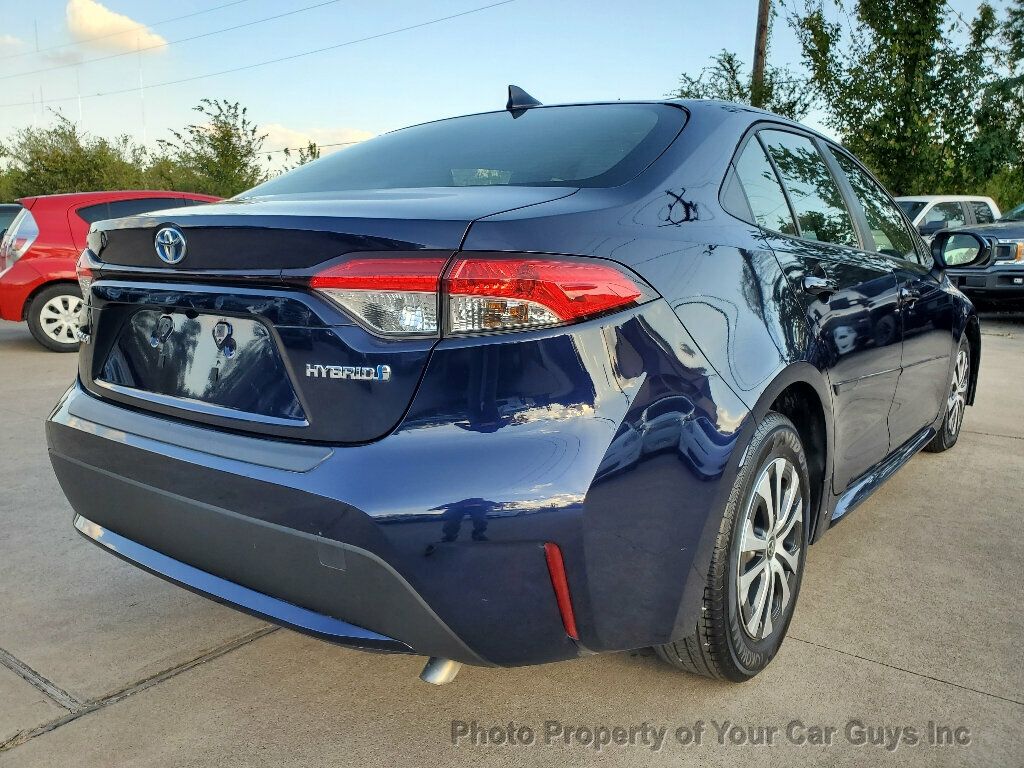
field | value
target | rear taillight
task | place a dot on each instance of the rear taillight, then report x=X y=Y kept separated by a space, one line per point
x=507 y=293
x=403 y=296
x=18 y=238
x=84 y=275
x=394 y=296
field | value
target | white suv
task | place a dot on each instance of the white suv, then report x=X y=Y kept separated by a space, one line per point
x=930 y=213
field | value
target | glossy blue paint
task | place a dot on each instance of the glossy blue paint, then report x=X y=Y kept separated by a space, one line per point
x=618 y=438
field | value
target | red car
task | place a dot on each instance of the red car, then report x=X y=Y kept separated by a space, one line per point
x=40 y=248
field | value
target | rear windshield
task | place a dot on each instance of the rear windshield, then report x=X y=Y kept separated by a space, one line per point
x=581 y=146
x=911 y=207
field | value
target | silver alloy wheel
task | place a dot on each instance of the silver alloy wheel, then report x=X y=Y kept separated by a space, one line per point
x=769 y=556
x=958 y=393
x=59 y=318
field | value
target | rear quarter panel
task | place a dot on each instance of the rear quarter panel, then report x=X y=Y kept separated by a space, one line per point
x=736 y=312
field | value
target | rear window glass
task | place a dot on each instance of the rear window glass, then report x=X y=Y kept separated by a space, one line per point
x=982 y=211
x=581 y=146
x=911 y=207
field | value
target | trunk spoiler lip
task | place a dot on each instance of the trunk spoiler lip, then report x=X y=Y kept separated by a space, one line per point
x=323 y=213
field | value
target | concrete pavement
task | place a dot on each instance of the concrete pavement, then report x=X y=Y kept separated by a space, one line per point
x=909 y=614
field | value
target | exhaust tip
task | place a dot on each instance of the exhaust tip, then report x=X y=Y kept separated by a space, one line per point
x=440 y=671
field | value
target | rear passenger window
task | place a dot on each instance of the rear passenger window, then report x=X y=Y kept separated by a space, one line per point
x=764 y=193
x=888 y=229
x=947 y=214
x=982 y=211
x=820 y=210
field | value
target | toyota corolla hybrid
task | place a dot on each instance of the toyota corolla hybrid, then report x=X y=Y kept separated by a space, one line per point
x=516 y=387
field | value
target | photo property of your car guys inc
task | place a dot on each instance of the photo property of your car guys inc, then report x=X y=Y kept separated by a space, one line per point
x=530 y=393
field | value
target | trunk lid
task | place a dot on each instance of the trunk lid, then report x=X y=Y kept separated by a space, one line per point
x=277 y=235
x=231 y=334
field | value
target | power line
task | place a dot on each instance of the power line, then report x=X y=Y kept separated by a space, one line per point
x=172 y=42
x=258 y=64
x=123 y=32
x=959 y=16
x=318 y=146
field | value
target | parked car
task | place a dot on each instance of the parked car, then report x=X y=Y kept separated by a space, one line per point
x=39 y=250
x=390 y=398
x=7 y=214
x=1000 y=275
x=931 y=213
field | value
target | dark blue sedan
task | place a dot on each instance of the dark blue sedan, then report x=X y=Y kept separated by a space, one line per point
x=516 y=387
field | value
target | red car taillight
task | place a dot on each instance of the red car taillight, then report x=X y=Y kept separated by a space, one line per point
x=502 y=294
x=18 y=238
x=84 y=275
x=401 y=296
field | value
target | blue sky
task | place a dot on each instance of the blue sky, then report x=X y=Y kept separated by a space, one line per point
x=559 y=50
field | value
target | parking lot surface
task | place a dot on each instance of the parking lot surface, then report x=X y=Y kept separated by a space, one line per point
x=909 y=618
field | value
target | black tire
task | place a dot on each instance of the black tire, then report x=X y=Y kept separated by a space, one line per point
x=41 y=320
x=721 y=647
x=953 y=421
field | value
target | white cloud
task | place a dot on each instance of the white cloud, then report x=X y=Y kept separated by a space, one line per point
x=10 y=44
x=90 y=21
x=280 y=136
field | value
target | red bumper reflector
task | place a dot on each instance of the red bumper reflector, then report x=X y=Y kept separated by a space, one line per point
x=556 y=568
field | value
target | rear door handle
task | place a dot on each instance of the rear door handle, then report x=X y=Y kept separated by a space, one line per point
x=820 y=285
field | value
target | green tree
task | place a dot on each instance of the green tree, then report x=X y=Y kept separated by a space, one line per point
x=925 y=114
x=221 y=156
x=876 y=82
x=1007 y=185
x=63 y=158
x=726 y=78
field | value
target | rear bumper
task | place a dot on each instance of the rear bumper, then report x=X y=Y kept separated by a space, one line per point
x=433 y=537
x=229 y=593
x=991 y=281
x=16 y=284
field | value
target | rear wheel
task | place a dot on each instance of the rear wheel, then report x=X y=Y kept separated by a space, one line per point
x=956 y=401
x=757 y=564
x=53 y=317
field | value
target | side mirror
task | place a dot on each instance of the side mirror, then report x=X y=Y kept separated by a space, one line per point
x=959 y=249
x=931 y=227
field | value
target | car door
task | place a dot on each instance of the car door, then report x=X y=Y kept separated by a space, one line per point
x=850 y=295
x=927 y=310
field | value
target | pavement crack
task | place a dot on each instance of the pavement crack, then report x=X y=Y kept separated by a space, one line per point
x=78 y=709
x=994 y=434
x=40 y=682
x=908 y=671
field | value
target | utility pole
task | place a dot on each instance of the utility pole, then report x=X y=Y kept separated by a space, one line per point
x=757 y=95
